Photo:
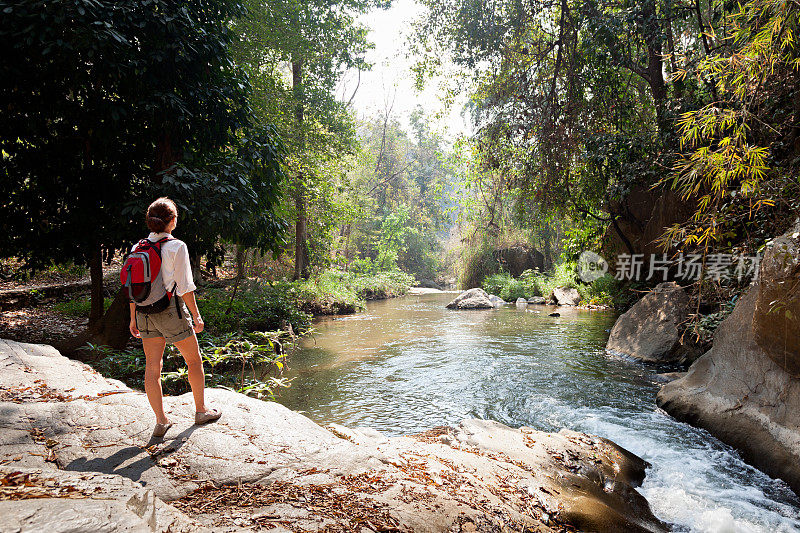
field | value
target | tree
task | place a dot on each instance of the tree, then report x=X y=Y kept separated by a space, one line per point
x=318 y=40
x=559 y=87
x=109 y=104
x=740 y=150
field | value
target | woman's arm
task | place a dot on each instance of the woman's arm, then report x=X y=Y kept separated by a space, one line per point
x=132 y=325
x=191 y=303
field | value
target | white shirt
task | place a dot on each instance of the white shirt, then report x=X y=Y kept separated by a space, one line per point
x=175 y=267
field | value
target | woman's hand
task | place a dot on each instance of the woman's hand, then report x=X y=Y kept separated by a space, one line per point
x=199 y=325
x=134 y=329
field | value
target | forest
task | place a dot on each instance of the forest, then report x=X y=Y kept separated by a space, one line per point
x=612 y=146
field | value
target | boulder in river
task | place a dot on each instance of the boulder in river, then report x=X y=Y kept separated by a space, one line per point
x=521 y=302
x=744 y=390
x=497 y=301
x=537 y=300
x=566 y=296
x=262 y=463
x=429 y=284
x=476 y=298
x=651 y=329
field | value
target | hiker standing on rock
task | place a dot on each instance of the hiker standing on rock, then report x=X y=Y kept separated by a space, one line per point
x=158 y=279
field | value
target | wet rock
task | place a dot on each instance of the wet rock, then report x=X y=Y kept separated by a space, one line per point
x=521 y=302
x=537 y=300
x=429 y=284
x=742 y=390
x=472 y=299
x=566 y=296
x=554 y=314
x=497 y=301
x=287 y=467
x=670 y=376
x=651 y=329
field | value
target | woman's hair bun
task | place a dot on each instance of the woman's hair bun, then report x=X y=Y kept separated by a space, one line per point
x=159 y=214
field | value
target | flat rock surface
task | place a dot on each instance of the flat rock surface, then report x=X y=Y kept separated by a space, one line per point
x=57 y=501
x=263 y=466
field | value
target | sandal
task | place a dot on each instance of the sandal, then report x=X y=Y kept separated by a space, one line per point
x=206 y=417
x=161 y=430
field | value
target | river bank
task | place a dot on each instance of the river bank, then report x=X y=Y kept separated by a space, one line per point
x=59 y=415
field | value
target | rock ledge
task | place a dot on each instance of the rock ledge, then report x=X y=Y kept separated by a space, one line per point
x=263 y=466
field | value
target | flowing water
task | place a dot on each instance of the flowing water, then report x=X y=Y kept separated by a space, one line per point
x=408 y=364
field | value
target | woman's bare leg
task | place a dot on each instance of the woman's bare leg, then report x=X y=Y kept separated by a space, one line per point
x=190 y=351
x=154 y=357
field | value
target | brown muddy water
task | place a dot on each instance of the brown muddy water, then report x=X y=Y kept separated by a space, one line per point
x=408 y=364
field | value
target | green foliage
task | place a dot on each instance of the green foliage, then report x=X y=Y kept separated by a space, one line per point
x=256 y=306
x=475 y=265
x=390 y=200
x=384 y=284
x=336 y=291
x=99 y=98
x=706 y=325
x=606 y=290
x=736 y=160
x=329 y=293
x=506 y=287
x=392 y=240
x=240 y=362
x=563 y=275
x=78 y=307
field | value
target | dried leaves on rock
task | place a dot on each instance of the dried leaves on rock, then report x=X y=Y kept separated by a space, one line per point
x=338 y=505
x=24 y=486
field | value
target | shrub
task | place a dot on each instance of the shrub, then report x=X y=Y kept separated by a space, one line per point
x=241 y=362
x=78 y=307
x=255 y=307
x=605 y=290
x=477 y=263
x=506 y=287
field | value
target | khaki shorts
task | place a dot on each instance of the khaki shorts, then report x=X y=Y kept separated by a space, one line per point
x=166 y=324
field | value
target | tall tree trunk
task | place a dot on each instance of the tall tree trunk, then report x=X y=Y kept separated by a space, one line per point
x=653 y=36
x=96 y=276
x=301 y=228
x=301 y=270
x=241 y=260
x=110 y=330
x=195 y=260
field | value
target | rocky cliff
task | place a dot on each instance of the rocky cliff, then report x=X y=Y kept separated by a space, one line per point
x=74 y=453
x=745 y=390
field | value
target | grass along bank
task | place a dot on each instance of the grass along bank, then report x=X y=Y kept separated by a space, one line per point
x=603 y=292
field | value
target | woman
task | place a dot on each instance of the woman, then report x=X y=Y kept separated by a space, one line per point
x=173 y=323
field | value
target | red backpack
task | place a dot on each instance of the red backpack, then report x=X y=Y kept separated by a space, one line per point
x=141 y=276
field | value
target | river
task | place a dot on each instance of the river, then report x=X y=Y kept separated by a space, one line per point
x=408 y=364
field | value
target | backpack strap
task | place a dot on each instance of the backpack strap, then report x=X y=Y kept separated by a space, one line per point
x=128 y=284
x=175 y=296
x=156 y=245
